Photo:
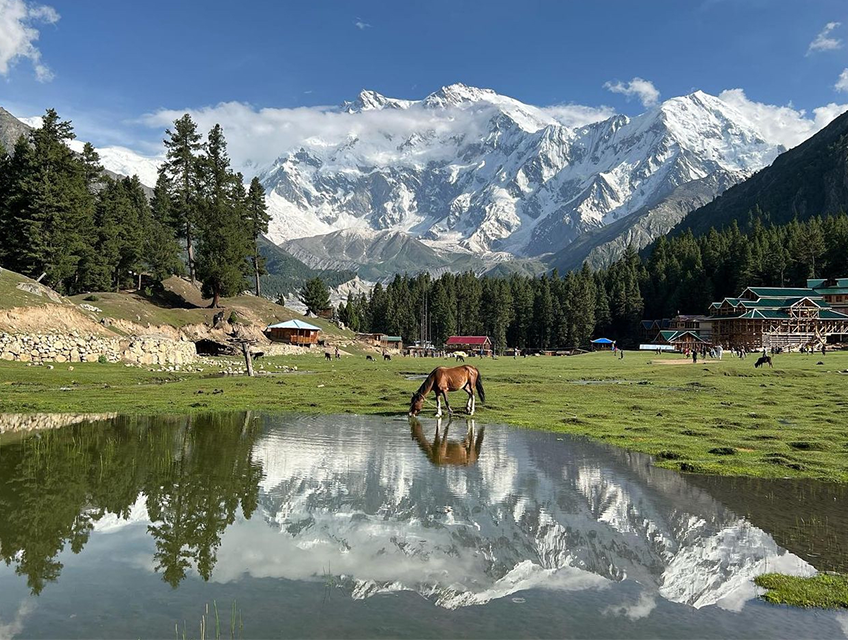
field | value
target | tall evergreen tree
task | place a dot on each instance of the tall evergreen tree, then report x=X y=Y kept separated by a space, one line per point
x=224 y=242
x=182 y=148
x=257 y=219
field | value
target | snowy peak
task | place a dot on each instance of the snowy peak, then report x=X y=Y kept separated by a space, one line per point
x=455 y=95
x=471 y=170
x=372 y=101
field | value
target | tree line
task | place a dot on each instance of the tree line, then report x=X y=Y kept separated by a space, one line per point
x=77 y=229
x=681 y=274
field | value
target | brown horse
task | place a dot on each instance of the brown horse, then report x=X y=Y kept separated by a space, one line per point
x=441 y=451
x=444 y=379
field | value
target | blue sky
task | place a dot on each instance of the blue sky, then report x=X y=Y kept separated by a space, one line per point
x=113 y=62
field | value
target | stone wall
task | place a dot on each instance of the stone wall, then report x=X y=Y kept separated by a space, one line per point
x=16 y=422
x=80 y=348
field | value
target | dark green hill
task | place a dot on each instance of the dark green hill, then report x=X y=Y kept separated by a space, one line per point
x=286 y=274
x=809 y=180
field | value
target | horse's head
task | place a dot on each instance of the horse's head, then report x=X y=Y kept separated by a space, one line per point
x=416 y=404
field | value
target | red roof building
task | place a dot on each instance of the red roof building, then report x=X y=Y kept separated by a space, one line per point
x=475 y=344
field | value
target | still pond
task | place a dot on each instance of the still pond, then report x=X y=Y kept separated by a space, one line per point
x=347 y=526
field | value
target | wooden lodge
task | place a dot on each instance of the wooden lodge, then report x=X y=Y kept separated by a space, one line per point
x=479 y=345
x=778 y=317
x=833 y=290
x=381 y=340
x=293 y=332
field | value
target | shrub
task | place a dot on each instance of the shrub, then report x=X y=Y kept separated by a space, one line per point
x=91 y=298
x=102 y=359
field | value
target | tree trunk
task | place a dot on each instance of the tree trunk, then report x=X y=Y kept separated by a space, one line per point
x=216 y=299
x=256 y=274
x=190 y=253
x=248 y=361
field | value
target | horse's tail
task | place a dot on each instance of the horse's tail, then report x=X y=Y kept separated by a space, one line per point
x=479 y=386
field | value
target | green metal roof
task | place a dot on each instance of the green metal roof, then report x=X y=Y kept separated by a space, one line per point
x=781 y=292
x=830 y=314
x=394 y=339
x=781 y=314
x=781 y=303
x=818 y=283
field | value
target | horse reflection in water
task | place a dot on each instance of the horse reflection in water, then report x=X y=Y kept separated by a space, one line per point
x=443 y=452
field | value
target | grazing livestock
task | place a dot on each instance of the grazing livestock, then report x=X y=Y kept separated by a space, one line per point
x=371 y=358
x=444 y=379
x=328 y=356
x=763 y=360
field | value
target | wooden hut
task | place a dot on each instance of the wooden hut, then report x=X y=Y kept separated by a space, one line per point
x=293 y=332
x=381 y=340
x=480 y=345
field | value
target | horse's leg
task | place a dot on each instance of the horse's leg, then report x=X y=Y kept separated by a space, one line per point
x=447 y=404
x=438 y=405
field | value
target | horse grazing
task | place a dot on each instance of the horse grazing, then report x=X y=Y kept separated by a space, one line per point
x=328 y=355
x=441 y=451
x=386 y=356
x=444 y=379
x=764 y=360
x=371 y=358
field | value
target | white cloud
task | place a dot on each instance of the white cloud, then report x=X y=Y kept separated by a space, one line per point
x=257 y=137
x=361 y=24
x=825 y=41
x=842 y=82
x=782 y=124
x=578 y=115
x=643 y=90
x=18 y=35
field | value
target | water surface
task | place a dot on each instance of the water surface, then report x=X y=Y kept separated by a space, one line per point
x=373 y=527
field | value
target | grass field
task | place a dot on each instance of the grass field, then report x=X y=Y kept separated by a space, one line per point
x=723 y=418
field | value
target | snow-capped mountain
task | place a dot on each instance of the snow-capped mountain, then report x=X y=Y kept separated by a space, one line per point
x=469 y=169
x=117 y=160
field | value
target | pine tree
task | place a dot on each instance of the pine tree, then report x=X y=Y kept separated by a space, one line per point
x=224 y=243
x=50 y=207
x=315 y=296
x=182 y=147
x=161 y=250
x=257 y=219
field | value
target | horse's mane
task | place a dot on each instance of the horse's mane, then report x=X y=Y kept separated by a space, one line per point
x=427 y=385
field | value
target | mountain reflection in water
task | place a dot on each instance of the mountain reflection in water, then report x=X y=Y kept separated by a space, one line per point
x=227 y=496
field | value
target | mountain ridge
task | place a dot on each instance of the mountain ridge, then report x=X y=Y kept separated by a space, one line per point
x=486 y=173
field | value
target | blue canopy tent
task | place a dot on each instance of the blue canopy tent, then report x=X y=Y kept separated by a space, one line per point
x=602 y=344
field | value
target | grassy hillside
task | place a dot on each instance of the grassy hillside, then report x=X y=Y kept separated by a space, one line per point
x=11 y=296
x=178 y=304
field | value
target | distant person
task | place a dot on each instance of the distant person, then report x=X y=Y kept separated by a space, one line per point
x=621 y=354
x=694 y=356
x=824 y=349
